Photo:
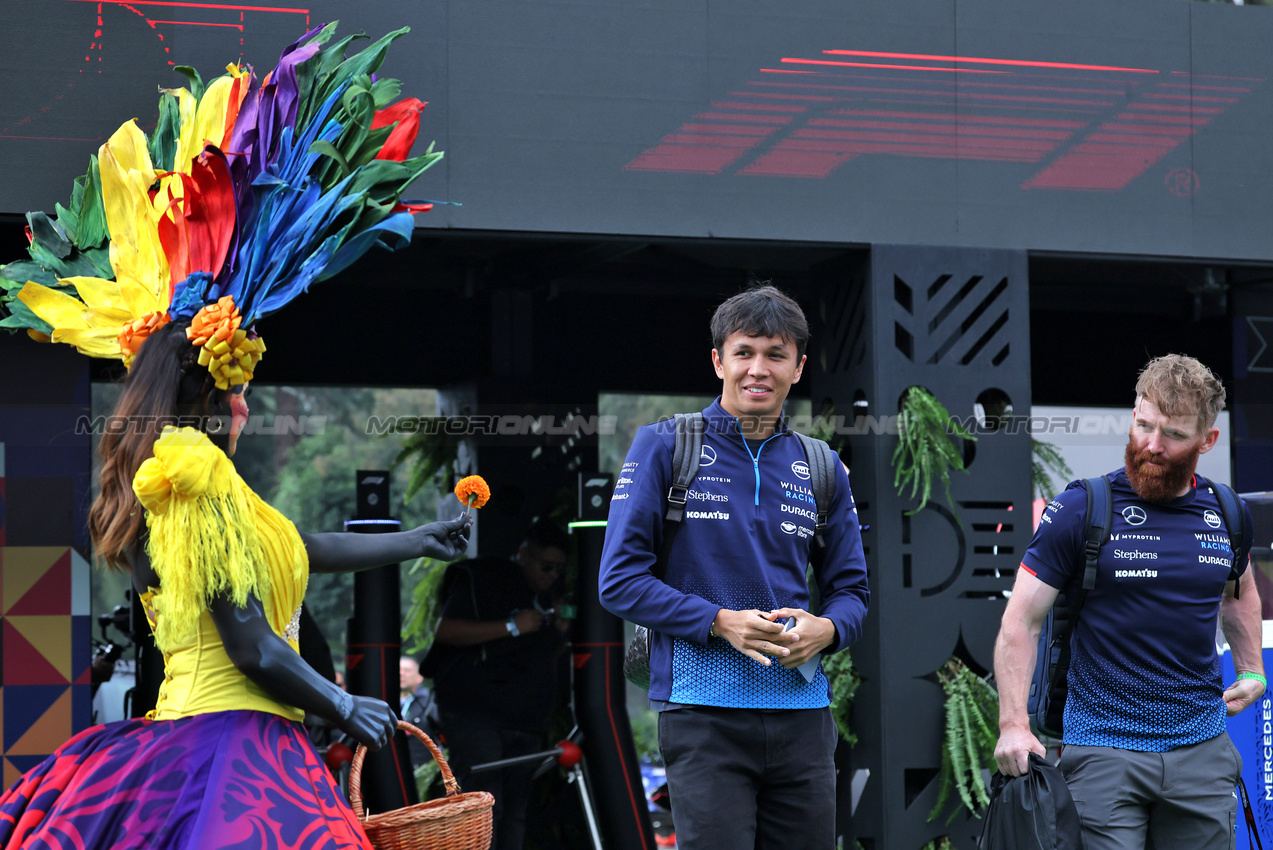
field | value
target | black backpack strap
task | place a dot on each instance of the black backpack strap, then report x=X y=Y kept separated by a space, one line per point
x=1096 y=529
x=685 y=457
x=1252 y=828
x=1234 y=521
x=1100 y=518
x=822 y=460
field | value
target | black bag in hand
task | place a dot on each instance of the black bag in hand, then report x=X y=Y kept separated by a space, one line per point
x=1031 y=812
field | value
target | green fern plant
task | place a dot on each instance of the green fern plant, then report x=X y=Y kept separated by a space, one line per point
x=925 y=452
x=844 y=680
x=1046 y=461
x=972 y=723
x=432 y=453
x=422 y=617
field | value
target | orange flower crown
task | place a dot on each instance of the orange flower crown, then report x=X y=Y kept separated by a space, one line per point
x=135 y=333
x=229 y=352
x=473 y=490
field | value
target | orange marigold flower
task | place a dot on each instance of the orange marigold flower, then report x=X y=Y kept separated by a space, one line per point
x=473 y=490
x=219 y=321
x=133 y=334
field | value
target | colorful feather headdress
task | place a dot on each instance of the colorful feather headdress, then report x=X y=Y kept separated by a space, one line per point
x=245 y=194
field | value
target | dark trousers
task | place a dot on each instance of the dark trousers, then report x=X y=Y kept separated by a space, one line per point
x=741 y=779
x=472 y=741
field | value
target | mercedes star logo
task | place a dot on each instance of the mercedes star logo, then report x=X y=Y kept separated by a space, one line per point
x=1135 y=515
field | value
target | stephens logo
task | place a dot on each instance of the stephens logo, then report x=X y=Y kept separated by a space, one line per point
x=1135 y=515
x=707 y=456
x=801 y=469
x=1212 y=518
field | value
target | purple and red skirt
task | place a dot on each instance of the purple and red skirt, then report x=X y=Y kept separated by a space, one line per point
x=233 y=779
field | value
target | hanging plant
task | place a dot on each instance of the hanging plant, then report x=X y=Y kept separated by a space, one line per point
x=925 y=452
x=972 y=723
x=1046 y=461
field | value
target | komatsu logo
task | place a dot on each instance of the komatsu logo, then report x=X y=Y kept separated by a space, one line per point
x=1135 y=573
x=706 y=515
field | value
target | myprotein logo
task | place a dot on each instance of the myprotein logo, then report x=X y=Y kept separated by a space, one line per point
x=801 y=469
x=1212 y=518
x=707 y=456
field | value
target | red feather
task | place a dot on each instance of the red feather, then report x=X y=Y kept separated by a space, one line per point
x=406 y=113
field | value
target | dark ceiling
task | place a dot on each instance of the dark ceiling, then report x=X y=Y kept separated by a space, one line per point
x=614 y=312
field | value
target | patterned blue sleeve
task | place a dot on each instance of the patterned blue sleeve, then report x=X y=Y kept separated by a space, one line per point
x=1055 y=553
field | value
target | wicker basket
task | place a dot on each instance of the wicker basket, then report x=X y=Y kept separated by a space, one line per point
x=455 y=822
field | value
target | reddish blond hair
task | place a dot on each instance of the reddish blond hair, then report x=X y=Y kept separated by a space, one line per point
x=1181 y=386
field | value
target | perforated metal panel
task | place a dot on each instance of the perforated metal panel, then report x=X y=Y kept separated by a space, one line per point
x=955 y=322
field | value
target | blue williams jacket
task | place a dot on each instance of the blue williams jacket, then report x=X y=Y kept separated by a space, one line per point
x=744 y=543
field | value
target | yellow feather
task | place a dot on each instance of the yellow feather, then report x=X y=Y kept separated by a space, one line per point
x=57 y=308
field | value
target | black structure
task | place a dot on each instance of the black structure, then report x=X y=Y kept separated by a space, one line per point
x=374 y=647
x=610 y=756
x=954 y=322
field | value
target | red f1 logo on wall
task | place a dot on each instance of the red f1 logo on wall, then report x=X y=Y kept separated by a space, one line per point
x=1085 y=127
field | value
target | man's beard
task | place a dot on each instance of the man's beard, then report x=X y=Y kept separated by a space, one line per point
x=1159 y=483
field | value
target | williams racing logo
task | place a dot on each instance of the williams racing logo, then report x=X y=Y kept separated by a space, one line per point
x=1218 y=542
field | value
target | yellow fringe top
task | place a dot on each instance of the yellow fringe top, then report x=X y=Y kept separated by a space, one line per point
x=210 y=535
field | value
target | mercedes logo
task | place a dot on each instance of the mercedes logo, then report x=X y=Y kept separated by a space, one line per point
x=707 y=456
x=1135 y=515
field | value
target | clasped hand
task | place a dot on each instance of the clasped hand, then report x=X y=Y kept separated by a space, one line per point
x=447 y=540
x=761 y=636
x=1240 y=694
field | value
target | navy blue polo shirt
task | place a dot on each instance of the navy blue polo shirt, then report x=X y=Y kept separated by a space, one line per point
x=1145 y=674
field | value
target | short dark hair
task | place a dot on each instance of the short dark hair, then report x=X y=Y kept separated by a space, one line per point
x=544 y=534
x=762 y=310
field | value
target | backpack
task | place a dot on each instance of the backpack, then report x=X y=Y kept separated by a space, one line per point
x=1049 y=685
x=1031 y=812
x=685 y=457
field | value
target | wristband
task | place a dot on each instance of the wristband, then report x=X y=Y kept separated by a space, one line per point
x=511 y=625
x=1264 y=683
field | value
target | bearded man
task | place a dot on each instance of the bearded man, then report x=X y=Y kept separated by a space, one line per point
x=1146 y=755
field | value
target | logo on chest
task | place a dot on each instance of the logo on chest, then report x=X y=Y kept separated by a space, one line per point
x=1135 y=515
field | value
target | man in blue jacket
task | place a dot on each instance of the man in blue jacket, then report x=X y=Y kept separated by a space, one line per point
x=747 y=738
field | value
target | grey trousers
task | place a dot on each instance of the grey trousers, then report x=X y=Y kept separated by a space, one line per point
x=740 y=779
x=1179 y=800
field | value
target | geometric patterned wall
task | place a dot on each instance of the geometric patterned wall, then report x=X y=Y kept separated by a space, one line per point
x=956 y=322
x=45 y=627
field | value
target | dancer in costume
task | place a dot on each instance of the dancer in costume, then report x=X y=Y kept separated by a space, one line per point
x=169 y=251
